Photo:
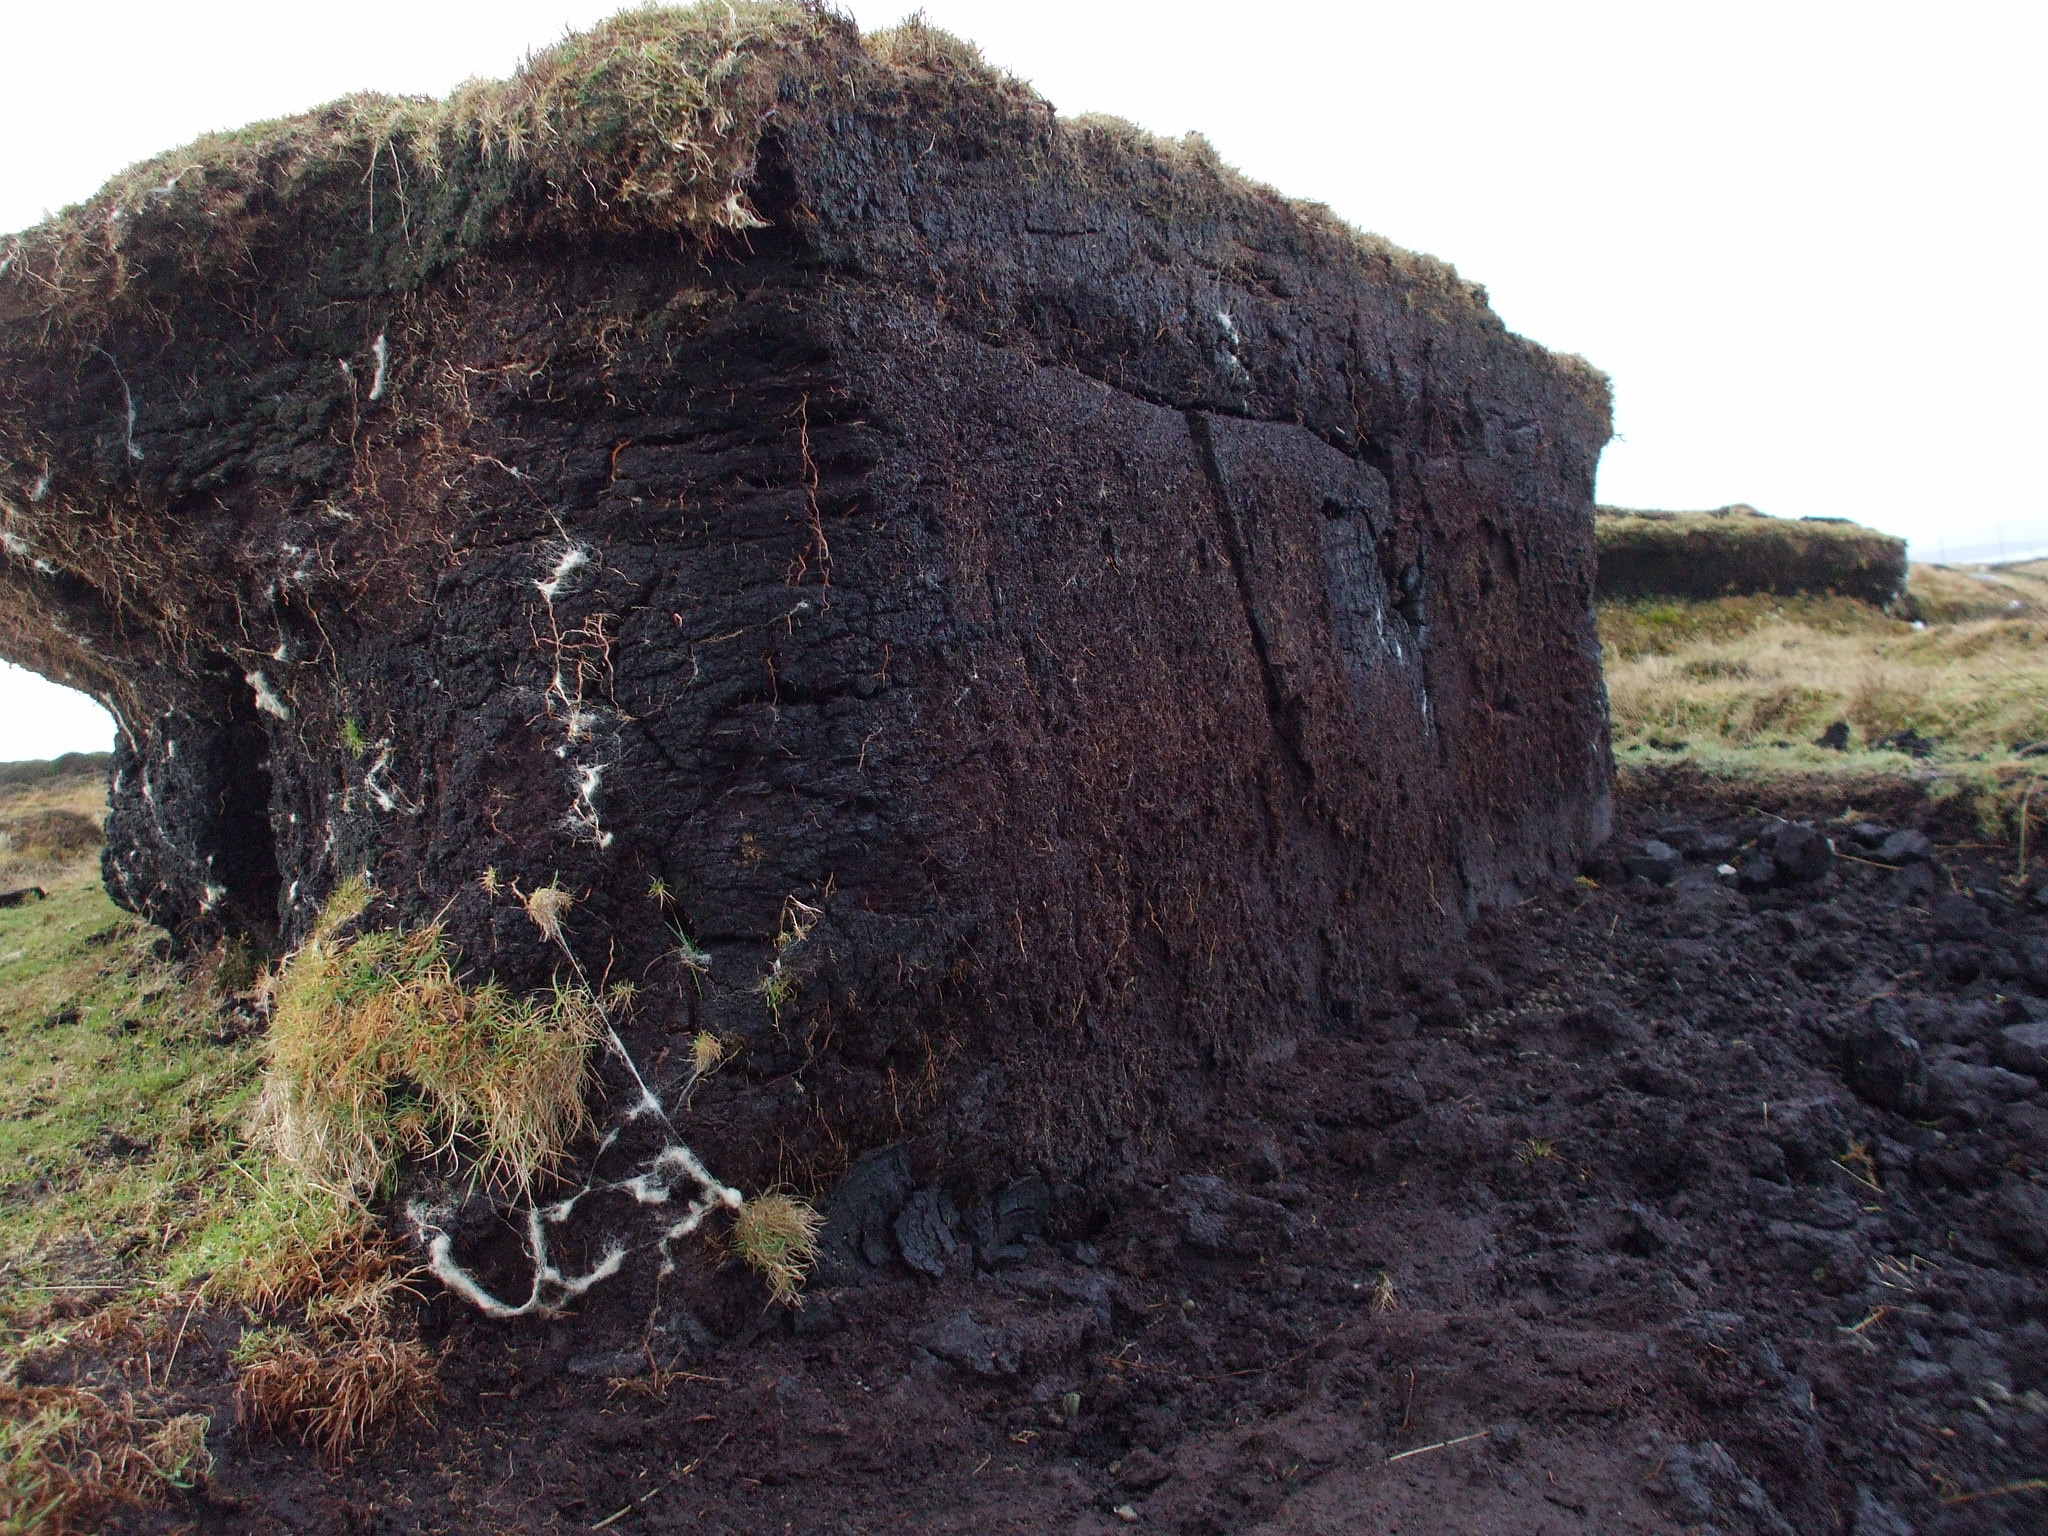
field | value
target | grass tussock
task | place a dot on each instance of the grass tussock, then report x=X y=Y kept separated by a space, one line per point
x=343 y=1383
x=69 y=1456
x=777 y=1235
x=378 y=1049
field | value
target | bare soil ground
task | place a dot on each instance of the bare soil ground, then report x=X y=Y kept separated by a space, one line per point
x=1656 y=1207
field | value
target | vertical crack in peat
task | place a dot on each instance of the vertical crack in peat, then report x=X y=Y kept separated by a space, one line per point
x=1235 y=545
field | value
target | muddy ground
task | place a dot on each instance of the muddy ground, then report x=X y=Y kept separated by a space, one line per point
x=1657 y=1207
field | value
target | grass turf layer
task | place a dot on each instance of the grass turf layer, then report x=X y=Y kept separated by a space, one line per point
x=649 y=122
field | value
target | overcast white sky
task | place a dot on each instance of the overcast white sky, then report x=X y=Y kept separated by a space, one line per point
x=1804 y=237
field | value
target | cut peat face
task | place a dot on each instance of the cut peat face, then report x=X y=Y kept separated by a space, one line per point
x=999 y=619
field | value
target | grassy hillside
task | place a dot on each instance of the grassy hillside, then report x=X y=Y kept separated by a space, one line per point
x=132 y=1197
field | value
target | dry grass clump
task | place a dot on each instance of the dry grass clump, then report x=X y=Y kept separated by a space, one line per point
x=293 y=1245
x=278 y=1243
x=51 y=832
x=549 y=908
x=354 y=1367
x=340 y=1386
x=777 y=1234
x=377 y=1049
x=351 y=1367
x=68 y=1456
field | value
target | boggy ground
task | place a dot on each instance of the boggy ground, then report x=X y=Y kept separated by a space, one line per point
x=1587 y=1231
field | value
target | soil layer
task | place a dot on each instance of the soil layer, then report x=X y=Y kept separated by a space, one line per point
x=1660 y=1205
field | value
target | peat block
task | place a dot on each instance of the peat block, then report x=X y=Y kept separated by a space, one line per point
x=1081 y=615
x=1739 y=551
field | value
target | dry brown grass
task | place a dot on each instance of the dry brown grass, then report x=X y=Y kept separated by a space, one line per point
x=339 y=1388
x=549 y=907
x=49 y=828
x=68 y=1456
x=352 y=1369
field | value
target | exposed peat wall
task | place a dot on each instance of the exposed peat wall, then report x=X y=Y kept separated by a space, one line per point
x=1051 y=621
x=1739 y=551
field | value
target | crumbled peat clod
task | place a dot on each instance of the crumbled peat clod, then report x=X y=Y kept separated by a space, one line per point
x=1908 y=846
x=1884 y=1064
x=2024 y=1048
x=1801 y=853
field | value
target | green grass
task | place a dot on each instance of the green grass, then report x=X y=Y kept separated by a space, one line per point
x=126 y=1091
x=132 y=1190
x=126 y=1096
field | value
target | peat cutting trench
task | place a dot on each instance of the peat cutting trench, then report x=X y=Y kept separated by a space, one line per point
x=1071 y=679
